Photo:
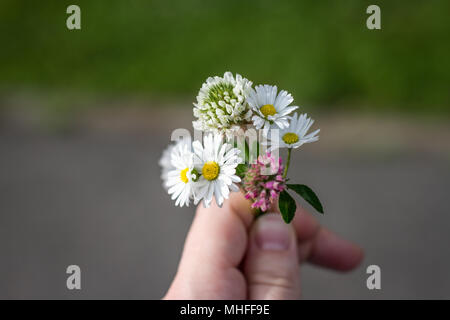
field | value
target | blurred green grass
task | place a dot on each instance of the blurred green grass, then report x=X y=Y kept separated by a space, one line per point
x=321 y=51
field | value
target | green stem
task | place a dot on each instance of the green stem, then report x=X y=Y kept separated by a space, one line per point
x=288 y=161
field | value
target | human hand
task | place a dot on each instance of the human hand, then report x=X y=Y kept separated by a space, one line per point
x=227 y=255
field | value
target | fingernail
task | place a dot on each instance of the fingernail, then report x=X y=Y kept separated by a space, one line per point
x=272 y=233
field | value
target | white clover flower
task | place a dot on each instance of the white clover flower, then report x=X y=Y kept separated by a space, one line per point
x=217 y=162
x=269 y=108
x=222 y=104
x=295 y=134
x=180 y=180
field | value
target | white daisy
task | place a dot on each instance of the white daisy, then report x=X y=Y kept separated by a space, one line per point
x=222 y=103
x=270 y=108
x=165 y=161
x=217 y=162
x=182 y=177
x=295 y=134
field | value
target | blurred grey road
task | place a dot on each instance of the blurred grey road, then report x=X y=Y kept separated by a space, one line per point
x=93 y=198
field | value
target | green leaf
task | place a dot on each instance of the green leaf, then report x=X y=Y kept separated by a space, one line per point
x=287 y=206
x=306 y=193
x=254 y=152
x=247 y=152
x=241 y=169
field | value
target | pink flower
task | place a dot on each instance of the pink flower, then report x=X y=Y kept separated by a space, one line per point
x=263 y=181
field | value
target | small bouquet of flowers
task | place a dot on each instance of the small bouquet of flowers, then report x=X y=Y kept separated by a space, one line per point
x=241 y=130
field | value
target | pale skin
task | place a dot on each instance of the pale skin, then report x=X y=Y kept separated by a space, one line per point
x=230 y=255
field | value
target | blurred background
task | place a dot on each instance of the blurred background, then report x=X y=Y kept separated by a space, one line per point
x=85 y=115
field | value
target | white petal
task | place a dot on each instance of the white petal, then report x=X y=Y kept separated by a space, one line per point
x=234 y=187
x=287 y=111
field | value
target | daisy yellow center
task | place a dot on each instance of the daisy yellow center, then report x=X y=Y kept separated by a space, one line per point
x=183 y=175
x=290 y=138
x=268 y=110
x=210 y=170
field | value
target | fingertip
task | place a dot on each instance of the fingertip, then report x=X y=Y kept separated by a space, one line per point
x=332 y=251
x=354 y=259
x=242 y=207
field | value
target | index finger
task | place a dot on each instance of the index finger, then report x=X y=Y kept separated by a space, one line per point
x=322 y=247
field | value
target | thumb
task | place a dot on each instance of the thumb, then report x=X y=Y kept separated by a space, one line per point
x=271 y=265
